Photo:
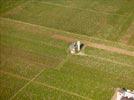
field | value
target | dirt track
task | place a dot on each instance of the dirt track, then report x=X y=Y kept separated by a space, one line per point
x=96 y=45
x=70 y=39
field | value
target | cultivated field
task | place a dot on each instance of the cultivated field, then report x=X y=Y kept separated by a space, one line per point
x=34 y=60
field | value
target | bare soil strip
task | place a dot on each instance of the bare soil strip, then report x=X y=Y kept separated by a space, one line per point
x=115 y=94
x=130 y=33
x=40 y=29
x=43 y=84
x=95 y=45
x=70 y=39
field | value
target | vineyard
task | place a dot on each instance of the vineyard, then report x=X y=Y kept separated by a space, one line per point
x=35 y=36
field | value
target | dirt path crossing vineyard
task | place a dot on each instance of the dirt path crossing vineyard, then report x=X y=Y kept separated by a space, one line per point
x=71 y=39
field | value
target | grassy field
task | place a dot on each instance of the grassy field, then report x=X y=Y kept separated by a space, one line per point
x=34 y=60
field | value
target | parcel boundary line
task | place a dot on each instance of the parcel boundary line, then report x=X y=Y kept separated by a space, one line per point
x=30 y=40
x=92 y=56
x=69 y=39
x=67 y=32
x=89 y=10
x=31 y=80
x=44 y=84
x=105 y=59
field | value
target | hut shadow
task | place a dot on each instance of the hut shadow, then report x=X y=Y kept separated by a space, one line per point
x=81 y=46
